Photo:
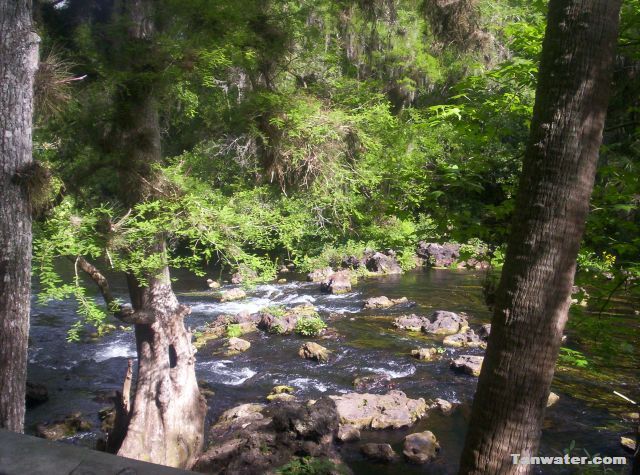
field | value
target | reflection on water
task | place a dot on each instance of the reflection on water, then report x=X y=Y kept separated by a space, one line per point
x=80 y=376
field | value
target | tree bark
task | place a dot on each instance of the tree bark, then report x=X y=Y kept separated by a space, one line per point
x=557 y=179
x=18 y=64
x=165 y=423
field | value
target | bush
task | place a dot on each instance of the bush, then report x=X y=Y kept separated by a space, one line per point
x=234 y=330
x=310 y=326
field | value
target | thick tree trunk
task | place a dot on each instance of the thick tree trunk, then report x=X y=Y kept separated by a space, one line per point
x=166 y=422
x=18 y=64
x=557 y=179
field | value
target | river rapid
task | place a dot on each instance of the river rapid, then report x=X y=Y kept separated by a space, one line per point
x=82 y=376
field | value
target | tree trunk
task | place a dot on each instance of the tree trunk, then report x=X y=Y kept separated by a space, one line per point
x=557 y=178
x=18 y=64
x=166 y=420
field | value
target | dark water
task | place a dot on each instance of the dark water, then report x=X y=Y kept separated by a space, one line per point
x=81 y=376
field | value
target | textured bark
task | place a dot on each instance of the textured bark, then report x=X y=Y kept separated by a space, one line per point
x=165 y=423
x=18 y=64
x=557 y=179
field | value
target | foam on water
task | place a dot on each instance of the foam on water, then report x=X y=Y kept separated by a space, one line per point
x=250 y=306
x=226 y=375
x=116 y=349
x=307 y=383
x=393 y=374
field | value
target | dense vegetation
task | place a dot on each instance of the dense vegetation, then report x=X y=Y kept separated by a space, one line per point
x=304 y=131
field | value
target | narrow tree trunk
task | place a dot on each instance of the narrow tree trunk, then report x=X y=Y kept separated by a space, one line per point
x=557 y=179
x=18 y=64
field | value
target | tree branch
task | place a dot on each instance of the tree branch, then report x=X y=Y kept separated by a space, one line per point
x=123 y=312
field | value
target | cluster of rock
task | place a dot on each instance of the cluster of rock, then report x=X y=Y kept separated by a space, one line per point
x=258 y=438
x=447 y=255
x=382 y=302
x=283 y=321
x=439 y=323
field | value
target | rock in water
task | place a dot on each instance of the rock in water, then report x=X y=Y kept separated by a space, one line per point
x=348 y=433
x=628 y=443
x=468 y=364
x=313 y=351
x=411 y=322
x=253 y=439
x=467 y=339
x=438 y=255
x=337 y=283
x=68 y=427
x=383 y=264
x=370 y=381
x=237 y=345
x=445 y=323
x=379 y=411
x=213 y=284
x=421 y=447
x=319 y=275
x=231 y=294
x=427 y=354
x=384 y=302
x=443 y=405
x=378 y=452
x=552 y=399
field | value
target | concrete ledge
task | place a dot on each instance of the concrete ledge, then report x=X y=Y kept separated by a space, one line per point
x=26 y=455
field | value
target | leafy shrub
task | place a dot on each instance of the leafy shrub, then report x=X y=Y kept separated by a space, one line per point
x=234 y=330
x=310 y=326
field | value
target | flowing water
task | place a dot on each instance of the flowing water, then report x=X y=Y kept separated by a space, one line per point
x=82 y=376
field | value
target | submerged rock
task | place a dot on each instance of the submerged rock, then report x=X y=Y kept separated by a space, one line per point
x=443 y=405
x=384 y=302
x=319 y=275
x=370 y=381
x=552 y=399
x=313 y=351
x=379 y=411
x=378 y=452
x=253 y=439
x=411 y=322
x=231 y=295
x=337 y=283
x=445 y=323
x=68 y=427
x=421 y=447
x=237 y=345
x=468 y=364
x=628 y=443
x=383 y=264
x=467 y=339
x=348 y=433
x=427 y=354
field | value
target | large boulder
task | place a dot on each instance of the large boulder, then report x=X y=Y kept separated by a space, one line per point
x=379 y=411
x=381 y=302
x=231 y=295
x=313 y=351
x=378 y=452
x=421 y=447
x=411 y=322
x=468 y=364
x=319 y=275
x=254 y=439
x=383 y=264
x=467 y=339
x=445 y=323
x=438 y=255
x=348 y=433
x=337 y=283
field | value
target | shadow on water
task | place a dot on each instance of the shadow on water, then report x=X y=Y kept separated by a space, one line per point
x=81 y=376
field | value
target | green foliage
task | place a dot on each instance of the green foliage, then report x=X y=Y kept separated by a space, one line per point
x=311 y=466
x=234 y=330
x=310 y=326
x=569 y=357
